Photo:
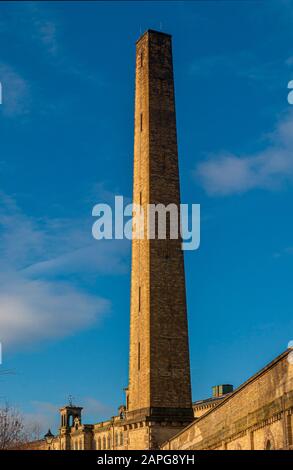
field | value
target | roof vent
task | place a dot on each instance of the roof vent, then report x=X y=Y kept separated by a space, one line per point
x=220 y=390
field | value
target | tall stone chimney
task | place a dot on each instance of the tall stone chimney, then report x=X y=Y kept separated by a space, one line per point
x=159 y=392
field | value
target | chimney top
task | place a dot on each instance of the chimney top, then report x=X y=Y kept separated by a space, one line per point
x=153 y=31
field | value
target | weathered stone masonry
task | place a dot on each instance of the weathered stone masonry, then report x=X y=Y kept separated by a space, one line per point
x=257 y=416
x=159 y=372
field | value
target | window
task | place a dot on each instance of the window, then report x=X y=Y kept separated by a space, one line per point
x=139 y=298
x=99 y=443
x=268 y=445
x=109 y=442
x=138 y=357
x=141 y=59
x=104 y=443
x=121 y=438
x=140 y=122
x=116 y=439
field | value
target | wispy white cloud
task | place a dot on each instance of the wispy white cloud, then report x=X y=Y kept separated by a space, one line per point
x=43 y=27
x=289 y=61
x=270 y=169
x=33 y=311
x=38 y=29
x=47 y=30
x=288 y=251
x=16 y=94
x=34 y=304
x=100 y=258
x=47 y=34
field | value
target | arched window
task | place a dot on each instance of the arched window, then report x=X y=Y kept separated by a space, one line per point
x=109 y=441
x=268 y=445
x=121 y=438
x=99 y=443
x=116 y=439
x=104 y=443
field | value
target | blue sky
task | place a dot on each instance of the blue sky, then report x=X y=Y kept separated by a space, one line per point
x=66 y=128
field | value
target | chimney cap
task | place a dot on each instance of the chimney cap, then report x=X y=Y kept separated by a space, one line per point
x=153 y=31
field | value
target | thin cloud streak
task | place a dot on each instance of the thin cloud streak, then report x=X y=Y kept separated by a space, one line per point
x=35 y=305
x=16 y=94
x=270 y=169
